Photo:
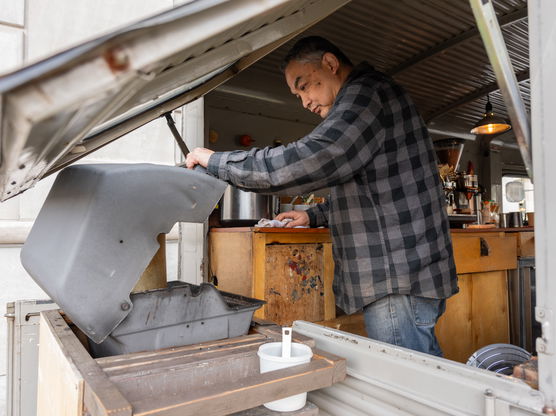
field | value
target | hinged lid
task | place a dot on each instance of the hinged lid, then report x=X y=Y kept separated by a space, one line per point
x=62 y=108
x=97 y=229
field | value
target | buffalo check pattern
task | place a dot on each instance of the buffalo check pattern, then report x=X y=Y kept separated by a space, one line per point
x=386 y=213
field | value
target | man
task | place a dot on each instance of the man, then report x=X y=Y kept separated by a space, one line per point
x=391 y=242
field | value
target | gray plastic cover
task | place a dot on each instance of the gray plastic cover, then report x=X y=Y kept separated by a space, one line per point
x=181 y=314
x=96 y=234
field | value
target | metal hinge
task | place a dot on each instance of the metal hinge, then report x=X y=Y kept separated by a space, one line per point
x=545 y=344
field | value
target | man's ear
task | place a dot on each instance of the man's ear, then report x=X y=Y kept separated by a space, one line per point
x=330 y=62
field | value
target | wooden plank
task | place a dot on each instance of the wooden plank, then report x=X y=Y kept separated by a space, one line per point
x=299 y=238
x=467 y=253
x=329 y=298
x=490 y=310
x=239 y=387
x=230 y=255
x=475 y=317
x=99 y=396
x=154 y=276
x=294 y=283
x=454 y=329
x=60 y=385
x=153 y=368
x=258 y=262
x=270 y=230
x=140 y=358
x=455 y=231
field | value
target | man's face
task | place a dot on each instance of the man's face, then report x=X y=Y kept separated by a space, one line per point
x=315 y=83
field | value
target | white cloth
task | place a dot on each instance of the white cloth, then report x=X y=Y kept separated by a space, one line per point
x=265 y=222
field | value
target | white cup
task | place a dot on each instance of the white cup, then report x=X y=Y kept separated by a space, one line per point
x=270 y=359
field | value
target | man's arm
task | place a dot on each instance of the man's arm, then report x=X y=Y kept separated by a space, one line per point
x=332 y=154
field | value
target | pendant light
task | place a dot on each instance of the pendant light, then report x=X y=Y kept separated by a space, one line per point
x=490 y=124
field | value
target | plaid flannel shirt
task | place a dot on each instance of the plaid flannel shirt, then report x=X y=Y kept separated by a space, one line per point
x=386 y=213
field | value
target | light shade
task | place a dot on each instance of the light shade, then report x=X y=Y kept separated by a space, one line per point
x=490 y=124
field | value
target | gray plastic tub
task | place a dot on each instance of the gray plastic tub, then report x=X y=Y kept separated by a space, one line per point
x=181 y=314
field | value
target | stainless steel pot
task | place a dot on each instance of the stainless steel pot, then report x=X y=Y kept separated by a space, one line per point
x=515 y=219
x=244 y=208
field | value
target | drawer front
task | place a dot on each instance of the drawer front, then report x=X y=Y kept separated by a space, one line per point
x=294 y=283
x=475 y=254
x=526 y=244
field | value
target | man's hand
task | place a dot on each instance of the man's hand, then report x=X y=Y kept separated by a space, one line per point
x=199 y=156
x=298 y=218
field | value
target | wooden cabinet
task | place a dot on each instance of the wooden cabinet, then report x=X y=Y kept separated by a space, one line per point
x=479 y=314
x=292 y=270
x=525 y=244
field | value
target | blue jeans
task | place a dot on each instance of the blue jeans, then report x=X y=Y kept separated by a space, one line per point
x=405 y=320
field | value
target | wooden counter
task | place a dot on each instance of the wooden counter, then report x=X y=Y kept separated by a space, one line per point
x=291 y=269
x=479 y=314
x=275 y=264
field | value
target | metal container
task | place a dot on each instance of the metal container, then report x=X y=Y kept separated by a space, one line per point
x=245 y=208
x=514 y=219
x=181 y=314
x=503 y=222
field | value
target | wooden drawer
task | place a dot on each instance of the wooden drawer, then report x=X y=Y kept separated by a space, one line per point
x=499 y=252
x=526 y=244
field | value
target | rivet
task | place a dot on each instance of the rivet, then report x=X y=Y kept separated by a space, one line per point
x=124 y=306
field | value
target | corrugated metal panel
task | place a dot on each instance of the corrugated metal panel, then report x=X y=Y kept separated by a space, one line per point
x=432 y=48
x=70 y=104
x=387 y=380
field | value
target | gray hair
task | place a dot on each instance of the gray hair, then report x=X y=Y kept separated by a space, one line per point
x=311 y=49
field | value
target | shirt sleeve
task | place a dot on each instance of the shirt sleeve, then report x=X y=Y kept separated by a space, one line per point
x=332 y=154
x=318 y=215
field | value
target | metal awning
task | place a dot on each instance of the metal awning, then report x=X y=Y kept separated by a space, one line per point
x=64 y=107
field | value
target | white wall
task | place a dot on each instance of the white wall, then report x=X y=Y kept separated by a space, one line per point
x=30 y=30
x=13 y=280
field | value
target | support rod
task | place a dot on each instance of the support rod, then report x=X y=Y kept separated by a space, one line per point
x=487 y=23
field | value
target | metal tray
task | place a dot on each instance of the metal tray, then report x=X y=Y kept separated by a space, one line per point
x=181 y=314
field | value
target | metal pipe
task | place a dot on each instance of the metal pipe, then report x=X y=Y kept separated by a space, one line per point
x=10 y=394
x=487 y=23
x=451 y=133
x=490 y=405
